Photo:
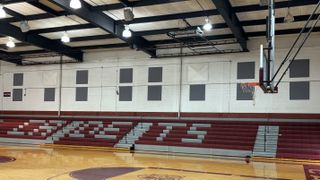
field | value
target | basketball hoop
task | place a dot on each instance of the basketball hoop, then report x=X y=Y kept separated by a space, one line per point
x=249 y=87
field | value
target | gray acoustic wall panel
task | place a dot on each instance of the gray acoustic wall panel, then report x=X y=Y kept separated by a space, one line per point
x=18 y=79
x=300 y=68
x=126 y=75
x=300 y=90
x=17 y=94
x=81 y=93
x=49 y=94
x=245 y=70
x=155 y=74
x=154 y=93
x=197 y=92
x=125 y=93
x=244 y=94
x=82 y=77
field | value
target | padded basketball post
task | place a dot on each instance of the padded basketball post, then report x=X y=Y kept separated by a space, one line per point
x=266 y=70
x=271 y=46
x=261 y=70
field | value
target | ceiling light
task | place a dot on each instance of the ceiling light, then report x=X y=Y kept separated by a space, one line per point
x=24 y=26
x=75 y=4
x=208 y=25
x=10 y=43
x=3 y=13
x=289 y=18
x=65 y=38
x=126 y=32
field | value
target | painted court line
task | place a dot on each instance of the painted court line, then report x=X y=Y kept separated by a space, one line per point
x=216 y=173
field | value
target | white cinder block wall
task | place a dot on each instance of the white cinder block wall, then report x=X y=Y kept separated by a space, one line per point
x=220 y=81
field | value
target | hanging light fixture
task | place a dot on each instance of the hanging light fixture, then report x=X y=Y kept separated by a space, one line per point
x=207 y=26
x=289 y=18
x=126 y=32
x=3 y=13
x=75 y=4
x=10 y=43
x=65 y=38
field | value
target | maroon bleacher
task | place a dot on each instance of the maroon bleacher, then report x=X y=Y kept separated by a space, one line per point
x=29 y=129
x=222 y=135
x=296 y=139
x=85 y=134
x=299 y=141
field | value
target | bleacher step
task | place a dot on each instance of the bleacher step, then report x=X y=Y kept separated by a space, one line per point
x=266 y=141
x=133 y=135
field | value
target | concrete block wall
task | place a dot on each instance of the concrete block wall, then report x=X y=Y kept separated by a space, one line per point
x=220 y=80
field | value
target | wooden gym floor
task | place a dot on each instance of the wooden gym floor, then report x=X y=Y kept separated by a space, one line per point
x=30 y=162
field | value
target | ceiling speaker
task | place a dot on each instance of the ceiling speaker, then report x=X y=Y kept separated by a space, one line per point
x=264 y=2
x=128 y=14
x=24 y=26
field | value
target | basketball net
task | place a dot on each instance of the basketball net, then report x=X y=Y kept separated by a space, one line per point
x=249 y=87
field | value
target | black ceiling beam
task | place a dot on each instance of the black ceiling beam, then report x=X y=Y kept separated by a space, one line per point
x=106 y=46
x=194 y=39
x=277 y=20
x=224 y=25
x=159 y=42
x=106 y=23
x=105 y=7
x=31 y=17
x=126 y=3
x=282 y=32
x=186 y=39
x=211 y=38
x=153 y=2
x=90 y=38
x=176 y=16
x=74 y=39
x=37 y=40
x=123 y=4
x=214 y=37
x=162 y=42
x=136 y=20
x=11 y=58
x=62 y=28
x=256 y=22
x=103 y=46
x=20 y=44
x=246 y=8
x=163 y=31
x=226 y=10
x=22 y=53
x=278 y=5
x=238 y=9
x=14 y=14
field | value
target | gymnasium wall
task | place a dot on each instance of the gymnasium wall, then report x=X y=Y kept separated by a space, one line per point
x=217 y=72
